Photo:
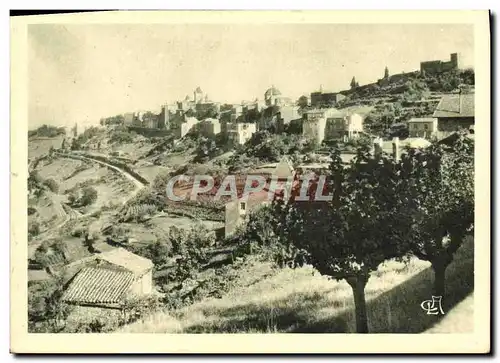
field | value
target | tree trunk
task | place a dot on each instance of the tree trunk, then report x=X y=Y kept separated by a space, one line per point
x=439 y=278
x=358 y=284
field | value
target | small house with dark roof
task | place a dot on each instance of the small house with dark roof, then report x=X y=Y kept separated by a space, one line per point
x=455 y=112
x=109 y=279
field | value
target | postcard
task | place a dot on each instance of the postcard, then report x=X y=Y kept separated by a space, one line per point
x=250 y=182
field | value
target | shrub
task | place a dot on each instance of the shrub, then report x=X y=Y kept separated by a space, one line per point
x=52 y=185
x=47 y=131
x=121 y=137
x=89 y=196
x=34 y=229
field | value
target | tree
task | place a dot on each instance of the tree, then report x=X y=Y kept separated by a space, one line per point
x=354 y=84
x=46 y=311
x=89 y=196
x=190 y=247
x=75 y=144
x=386 y=73
x=438 y=185
x=34 y=180
x=302 y=102
x=52 y=185
x=362 y=226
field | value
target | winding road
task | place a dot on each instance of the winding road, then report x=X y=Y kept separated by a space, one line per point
x=72 y=214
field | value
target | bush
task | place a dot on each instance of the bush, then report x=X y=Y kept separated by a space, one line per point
x=47 y=131
x=89 y=196
x=34 y=229
x=122 y=137
x=45 y=309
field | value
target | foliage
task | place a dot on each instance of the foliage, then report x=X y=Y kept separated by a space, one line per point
x=113 y=120
x=438 y=185
x=206 y=150
x=136 y=307
x=348 y=237
x=160 y=252
x=381 y=119
x=33 y=229
x=259 y=236
x=210 y=112
x=84 y=137
x=267 y=147
x=35 y=184
x=122 y=136
x=82 y=197
x=311 y=145
x=47 y=131
x=303 y=102
x=46 y=312
x=52 y=185
x=353 y=83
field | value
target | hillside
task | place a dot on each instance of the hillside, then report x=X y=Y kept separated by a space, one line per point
x=107 y=188
x=266 y=300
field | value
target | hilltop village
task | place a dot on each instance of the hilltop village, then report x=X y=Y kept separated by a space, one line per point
x=107 y=248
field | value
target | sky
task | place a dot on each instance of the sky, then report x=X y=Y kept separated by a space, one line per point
x=79 y=73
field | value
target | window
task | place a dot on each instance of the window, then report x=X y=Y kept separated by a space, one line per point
x=426 y=127
x=243 y=206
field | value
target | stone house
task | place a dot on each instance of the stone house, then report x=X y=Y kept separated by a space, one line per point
x=330 y=123
x=186 y=126
x=109 y=278
x=454 y=112
x=237 y=211
x=313 y=126
x=209 y=127
x=326 y=99
x=425 y=127
x=343 y=126
x=287 y=114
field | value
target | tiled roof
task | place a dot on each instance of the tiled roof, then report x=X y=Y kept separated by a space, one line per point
x=455 y=105
x=98 y=285
x=128 y=260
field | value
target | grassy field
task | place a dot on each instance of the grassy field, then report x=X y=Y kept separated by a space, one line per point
x=303 y=301
x=41 y=146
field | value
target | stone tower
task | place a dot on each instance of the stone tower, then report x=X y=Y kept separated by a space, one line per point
x=455 y=60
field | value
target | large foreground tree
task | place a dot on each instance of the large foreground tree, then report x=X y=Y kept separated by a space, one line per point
x=351 y=235
x=438 y=185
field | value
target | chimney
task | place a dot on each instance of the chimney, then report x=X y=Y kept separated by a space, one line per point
x=395 y=148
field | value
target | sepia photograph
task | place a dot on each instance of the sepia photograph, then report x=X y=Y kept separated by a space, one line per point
x=240 y=176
